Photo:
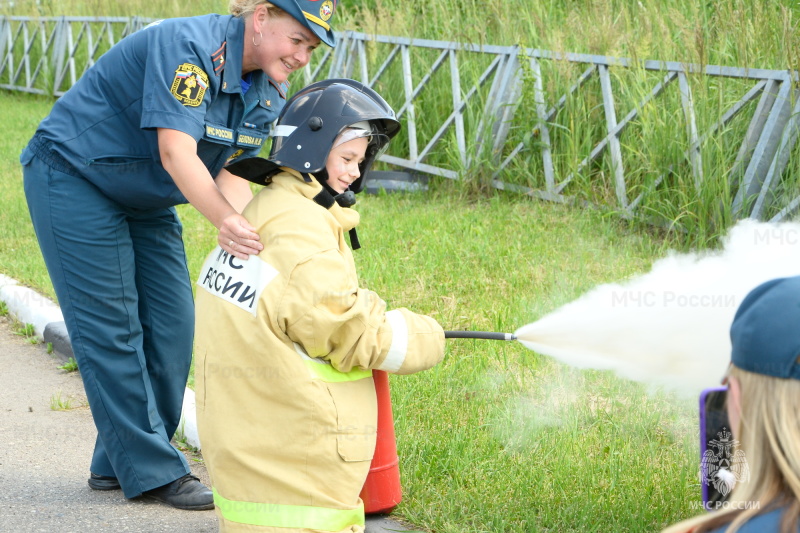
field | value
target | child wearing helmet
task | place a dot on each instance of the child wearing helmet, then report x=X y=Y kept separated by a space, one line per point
x=286 y=342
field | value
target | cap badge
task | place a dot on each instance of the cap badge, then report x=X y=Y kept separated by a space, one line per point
x=326 y=10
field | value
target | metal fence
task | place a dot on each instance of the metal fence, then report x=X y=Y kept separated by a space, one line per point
x=462 y=103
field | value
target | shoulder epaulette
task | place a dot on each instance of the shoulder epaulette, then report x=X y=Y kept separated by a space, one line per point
x=218 y=58
x=283 y=88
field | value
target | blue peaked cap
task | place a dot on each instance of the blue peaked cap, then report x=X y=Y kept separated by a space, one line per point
x=316 y=15
x=765 y=333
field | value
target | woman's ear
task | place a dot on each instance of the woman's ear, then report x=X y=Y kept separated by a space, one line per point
x=260 y=17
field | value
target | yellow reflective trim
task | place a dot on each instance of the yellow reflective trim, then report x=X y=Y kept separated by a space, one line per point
x=317 y=20
x=293 y=516
x=328 y=374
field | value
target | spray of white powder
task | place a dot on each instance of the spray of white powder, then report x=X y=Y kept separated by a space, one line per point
x=669 y=327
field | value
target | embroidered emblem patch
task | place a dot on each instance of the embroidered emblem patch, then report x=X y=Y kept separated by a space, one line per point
x=326 y=10
x=189 y=85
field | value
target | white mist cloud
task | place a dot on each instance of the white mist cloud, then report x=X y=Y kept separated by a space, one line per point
x=669 y=326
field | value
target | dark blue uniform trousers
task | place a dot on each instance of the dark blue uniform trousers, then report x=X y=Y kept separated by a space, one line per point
x=122 y=283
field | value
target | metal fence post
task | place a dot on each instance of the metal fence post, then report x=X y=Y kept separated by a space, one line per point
x=764 y=152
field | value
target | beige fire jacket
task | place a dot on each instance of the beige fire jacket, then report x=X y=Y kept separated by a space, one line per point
x=285 y=344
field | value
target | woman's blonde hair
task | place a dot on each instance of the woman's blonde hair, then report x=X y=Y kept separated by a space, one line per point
x=768 y=434
x=243 y=8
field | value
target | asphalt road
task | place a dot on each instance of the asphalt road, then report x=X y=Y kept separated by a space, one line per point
x=45 y=454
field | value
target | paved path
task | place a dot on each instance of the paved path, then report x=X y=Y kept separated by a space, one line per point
x=45 y=453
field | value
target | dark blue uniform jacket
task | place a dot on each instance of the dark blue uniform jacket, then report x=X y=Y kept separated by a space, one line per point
x=183 y=74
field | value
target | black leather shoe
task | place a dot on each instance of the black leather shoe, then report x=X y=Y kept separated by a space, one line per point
x=103 y=482
x=186 y=492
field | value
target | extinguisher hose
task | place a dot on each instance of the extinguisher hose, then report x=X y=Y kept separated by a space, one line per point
x=486 y=335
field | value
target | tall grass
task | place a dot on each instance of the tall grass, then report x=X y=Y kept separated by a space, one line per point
x=736 y=33
x=655 y=146
x=740 y=33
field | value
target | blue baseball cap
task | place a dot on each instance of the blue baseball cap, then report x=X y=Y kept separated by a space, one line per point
x=316 y=15
x=765 y=333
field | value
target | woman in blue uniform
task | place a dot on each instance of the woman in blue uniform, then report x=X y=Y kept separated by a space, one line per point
x=149 y=126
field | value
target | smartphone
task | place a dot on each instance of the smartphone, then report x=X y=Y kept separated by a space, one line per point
x=715 y=446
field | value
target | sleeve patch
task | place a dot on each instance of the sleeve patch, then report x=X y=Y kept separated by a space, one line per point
x=189 y=85
x=237 y=282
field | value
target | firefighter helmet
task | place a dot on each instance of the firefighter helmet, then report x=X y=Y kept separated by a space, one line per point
x=314 y=117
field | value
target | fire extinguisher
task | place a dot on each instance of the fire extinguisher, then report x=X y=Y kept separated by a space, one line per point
x=382 y=491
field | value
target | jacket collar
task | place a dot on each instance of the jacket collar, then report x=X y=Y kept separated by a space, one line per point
x=294 y=181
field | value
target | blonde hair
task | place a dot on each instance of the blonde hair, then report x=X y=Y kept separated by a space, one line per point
x=768 y=434
x=243 y=8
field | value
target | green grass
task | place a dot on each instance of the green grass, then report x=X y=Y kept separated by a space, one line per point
x=60 y=403
x=19 y=250
x=70 y=366
x=496 y=438
x=28 y=331
x=740 y=33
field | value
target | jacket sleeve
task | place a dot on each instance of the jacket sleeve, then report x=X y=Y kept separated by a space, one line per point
x=325 y=312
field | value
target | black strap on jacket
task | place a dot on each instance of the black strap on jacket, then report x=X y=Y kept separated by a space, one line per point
x=327 y=200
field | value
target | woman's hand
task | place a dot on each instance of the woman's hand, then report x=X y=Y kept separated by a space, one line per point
x=219 y=203
x=237 y=237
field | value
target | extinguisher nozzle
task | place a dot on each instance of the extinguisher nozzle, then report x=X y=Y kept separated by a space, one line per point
x=486 y=335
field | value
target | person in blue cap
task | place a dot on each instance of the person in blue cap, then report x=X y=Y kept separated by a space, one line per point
x=151 y=125
x=763 y=404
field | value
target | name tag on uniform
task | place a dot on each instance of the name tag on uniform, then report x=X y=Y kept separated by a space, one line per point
x=220 y=133
x=250 y=138
x=236 y=281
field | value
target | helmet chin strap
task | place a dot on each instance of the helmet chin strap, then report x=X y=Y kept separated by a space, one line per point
x=345 y=199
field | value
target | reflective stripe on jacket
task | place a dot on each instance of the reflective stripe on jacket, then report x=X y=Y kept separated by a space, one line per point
x=288 y=516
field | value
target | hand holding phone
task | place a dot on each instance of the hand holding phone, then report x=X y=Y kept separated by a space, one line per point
x=721 y=464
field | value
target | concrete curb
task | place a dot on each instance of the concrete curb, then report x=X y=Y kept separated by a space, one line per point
x=30 y=307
